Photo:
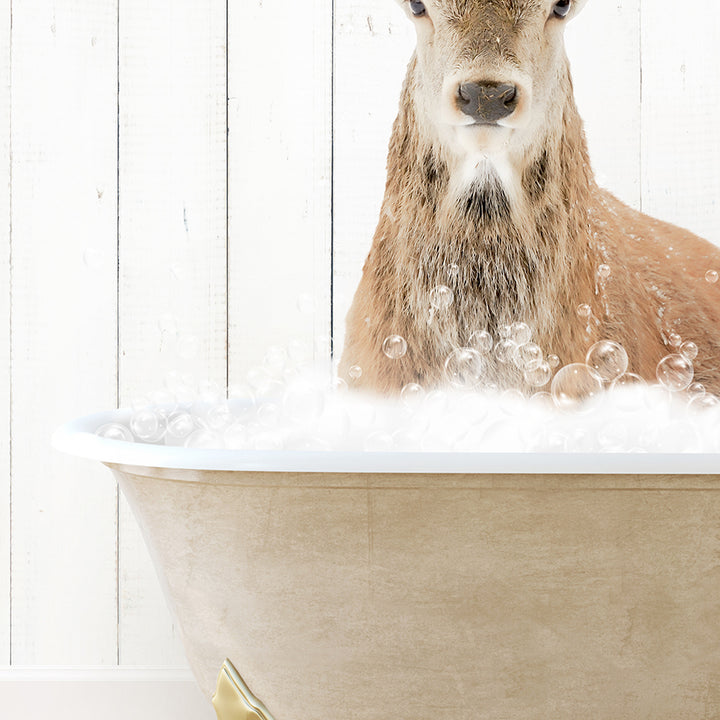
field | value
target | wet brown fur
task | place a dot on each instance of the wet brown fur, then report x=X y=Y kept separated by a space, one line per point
x=537 y=264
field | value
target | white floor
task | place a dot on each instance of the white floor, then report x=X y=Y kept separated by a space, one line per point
x=107 y=693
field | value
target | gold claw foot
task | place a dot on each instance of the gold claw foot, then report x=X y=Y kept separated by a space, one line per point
x=233 y=700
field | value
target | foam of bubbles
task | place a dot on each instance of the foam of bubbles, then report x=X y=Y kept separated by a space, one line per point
x=597 y=406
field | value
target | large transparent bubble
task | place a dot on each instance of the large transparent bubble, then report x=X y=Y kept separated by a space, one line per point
x=574 y=386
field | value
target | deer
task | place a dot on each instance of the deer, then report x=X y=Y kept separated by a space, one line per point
x=490 y=196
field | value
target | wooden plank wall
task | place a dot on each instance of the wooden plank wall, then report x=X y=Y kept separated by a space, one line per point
x=64 y=305
x=174 y=167
x=4 y=332
x=172 y=249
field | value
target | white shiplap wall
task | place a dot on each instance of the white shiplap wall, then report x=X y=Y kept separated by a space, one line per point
x=173 y=166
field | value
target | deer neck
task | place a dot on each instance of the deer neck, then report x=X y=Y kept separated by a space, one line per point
x=513 y=241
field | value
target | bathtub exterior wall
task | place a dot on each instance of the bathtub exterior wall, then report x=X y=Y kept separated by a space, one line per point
x=518 y=597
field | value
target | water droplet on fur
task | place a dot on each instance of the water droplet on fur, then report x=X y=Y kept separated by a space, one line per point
x=394 y=346
x=482 y=341
x=604 y=272
x=441 y=297
x=574 y=385
x=539 y=375
x=608 y=359
x=505 y=351
x=520 y=333
x=530 y=356
x=675 y=372
x=464 y=367
x=689 y=350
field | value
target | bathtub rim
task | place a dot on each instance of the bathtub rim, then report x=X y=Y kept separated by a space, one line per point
x=77 y=437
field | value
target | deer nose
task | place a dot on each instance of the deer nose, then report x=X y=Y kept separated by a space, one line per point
x=487 y=102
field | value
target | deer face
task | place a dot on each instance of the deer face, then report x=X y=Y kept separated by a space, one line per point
x=490 y=77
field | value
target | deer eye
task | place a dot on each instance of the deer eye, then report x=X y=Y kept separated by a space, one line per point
x=561 y=8
x=417 y=8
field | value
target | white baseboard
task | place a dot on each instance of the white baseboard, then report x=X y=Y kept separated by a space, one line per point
x=112 y=693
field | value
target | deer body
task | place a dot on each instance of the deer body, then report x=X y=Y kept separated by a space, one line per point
x=507 y=214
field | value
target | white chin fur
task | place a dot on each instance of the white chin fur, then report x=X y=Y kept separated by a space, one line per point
x=482 y=154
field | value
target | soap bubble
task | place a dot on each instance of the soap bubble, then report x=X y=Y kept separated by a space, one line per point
x=268 y=414
x=711 y=276
x=520 y=333
x=539 y=375
x=553 y=361
x=145 y=425
x=275 y=359
x=303 y=402
x=219 y=417
x=604 y=272
x=464 y=367
x=695 y=389
x=674 y=339
x=705 y=401
x=435 y=402
x=530 y=356
x=505 y=351
x=210 y=392
x=627 y=380
x=584 y=310
x=608 y=359
x=412 y=395
x=627 y=391
x=180 y=425
x=574 y=385
x=266 y=441
x=355 y=372
x=689 y=350
x=235 y=437
x=482 y=341
x=203 y=439
x=115 y=431
x=378 y=442
x=339 y=385
x=441 y=297
x=675 y=372
x=453 y=270
x=164 y=402
x=394 y=346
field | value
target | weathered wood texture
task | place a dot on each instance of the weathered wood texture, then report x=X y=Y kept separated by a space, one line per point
x=64 y=305
x=5 y=329
x=279 y=112
x=174 y=198
x=172 y=247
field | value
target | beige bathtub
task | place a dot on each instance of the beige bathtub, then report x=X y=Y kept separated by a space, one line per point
x=463 y=586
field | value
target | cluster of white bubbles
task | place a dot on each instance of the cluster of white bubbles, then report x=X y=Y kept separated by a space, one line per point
x=595 y=406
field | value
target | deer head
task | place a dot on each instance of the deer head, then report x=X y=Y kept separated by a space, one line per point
x=490 y=82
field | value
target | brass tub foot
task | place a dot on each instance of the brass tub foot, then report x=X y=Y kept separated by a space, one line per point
x=233 y=700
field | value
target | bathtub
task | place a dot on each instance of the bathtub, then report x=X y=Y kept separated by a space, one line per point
x=340 y=586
